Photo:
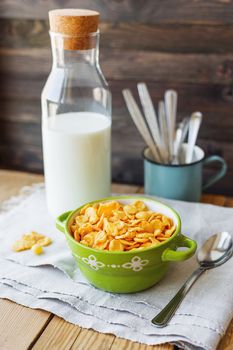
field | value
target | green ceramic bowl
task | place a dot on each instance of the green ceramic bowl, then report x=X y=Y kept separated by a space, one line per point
x=128 y=272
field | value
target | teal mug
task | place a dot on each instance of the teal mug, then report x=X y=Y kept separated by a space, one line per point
x=183 y=181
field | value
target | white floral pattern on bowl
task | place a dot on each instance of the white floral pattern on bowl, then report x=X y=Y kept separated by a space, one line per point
x=92 y=261
x=136 y=264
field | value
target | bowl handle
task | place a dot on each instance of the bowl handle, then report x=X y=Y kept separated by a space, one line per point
x=173 y=255
x=61 y=221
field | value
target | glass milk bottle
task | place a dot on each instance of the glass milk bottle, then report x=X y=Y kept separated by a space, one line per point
x=76 y=114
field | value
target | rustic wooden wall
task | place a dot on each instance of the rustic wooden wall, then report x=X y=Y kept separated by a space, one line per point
x=182 y=44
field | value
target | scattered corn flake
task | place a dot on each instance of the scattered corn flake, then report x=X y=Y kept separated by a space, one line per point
x=21 y=245
x=37 y=249
x=44 y=241
x=29 y=240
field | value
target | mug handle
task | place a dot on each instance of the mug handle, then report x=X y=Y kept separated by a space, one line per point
x=173 y=255
x=220 y=173
x=61 y=221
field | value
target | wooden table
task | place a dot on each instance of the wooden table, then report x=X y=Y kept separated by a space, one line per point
x=24 y=328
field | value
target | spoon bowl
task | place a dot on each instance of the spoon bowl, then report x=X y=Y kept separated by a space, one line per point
x=214 y=250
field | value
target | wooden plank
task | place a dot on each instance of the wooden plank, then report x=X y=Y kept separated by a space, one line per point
x=20 y=325
x=153 y=11
x=21 y=157
x=229 y=202
x=70 y=337
x=124 y=344
x=195 y=68
x=227 y=341
x=127 y=163
x=207 y=98
x=20 y=121
x=23 y=144
x=214 y=199
x=22 y=105
x=122 y=188
x=16 y=132
x=21 y=110
x=125 y=167
x=175 y=37
x=89 y=339
x=141 y=189
x=58 y=334
x=12 y=181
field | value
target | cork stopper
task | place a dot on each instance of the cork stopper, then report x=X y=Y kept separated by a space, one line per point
x=77 y=25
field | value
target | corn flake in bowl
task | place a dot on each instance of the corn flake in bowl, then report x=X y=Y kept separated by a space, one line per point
x=117 y=227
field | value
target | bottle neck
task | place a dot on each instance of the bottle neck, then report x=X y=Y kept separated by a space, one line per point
x=68 y=51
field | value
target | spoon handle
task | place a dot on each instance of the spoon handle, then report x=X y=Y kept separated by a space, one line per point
x=168 y=311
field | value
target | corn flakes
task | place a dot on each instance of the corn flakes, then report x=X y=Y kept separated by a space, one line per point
x=37 y=249
x=116 y=227
x=30 y=240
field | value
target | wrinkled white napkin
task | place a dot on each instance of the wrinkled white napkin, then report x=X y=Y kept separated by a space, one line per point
x=53 y=282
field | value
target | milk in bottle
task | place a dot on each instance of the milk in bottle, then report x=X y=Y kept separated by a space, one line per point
x=76 y=114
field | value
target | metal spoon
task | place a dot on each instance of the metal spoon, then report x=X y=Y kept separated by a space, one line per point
x=180 y=135
x=215 y=251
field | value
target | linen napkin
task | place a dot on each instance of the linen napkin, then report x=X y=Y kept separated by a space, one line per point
x=199 y=322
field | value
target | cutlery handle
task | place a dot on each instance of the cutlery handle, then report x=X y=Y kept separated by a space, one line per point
x=194 y=125
x=140 y=123
x=168 y=311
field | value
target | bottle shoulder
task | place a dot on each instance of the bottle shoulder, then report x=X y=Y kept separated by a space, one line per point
x=75 y=90
x=61 y=79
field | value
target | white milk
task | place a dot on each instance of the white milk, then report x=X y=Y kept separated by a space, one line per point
x=76 y=149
